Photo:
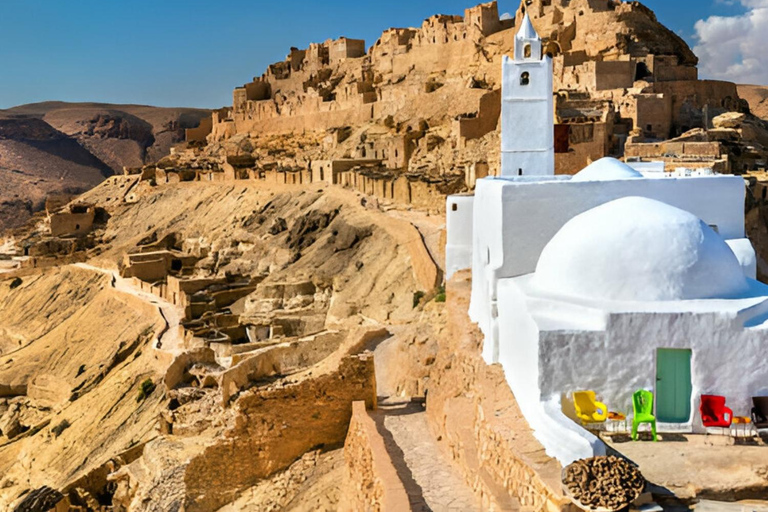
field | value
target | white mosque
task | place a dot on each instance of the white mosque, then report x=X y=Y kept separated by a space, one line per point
x=608 y=280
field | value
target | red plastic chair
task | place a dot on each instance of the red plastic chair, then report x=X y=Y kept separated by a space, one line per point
x=714 y=413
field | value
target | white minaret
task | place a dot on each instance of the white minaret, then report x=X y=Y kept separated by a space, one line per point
x=527 y=110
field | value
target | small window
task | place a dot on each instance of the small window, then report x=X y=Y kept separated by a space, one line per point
x=525 y=78
x=649 y=127
x=527 y=51
x=715 y=228
x=519 y=172
x=454 y=207
x=77 y=227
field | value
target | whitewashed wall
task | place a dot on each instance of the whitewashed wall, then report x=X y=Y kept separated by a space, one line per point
x=527 y=118
x=726 y=360
x=515 y=219
x=458 y=223
x=551 y=348
x=519 y=355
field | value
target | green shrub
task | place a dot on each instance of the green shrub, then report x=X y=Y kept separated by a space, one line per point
x=440 y=297
x=417 y=296
x=147 y=387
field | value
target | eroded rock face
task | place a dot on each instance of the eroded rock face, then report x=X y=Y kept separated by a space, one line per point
x=42 y=499
x=10 y=424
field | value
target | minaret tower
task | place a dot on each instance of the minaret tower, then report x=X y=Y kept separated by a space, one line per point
x=527 y=110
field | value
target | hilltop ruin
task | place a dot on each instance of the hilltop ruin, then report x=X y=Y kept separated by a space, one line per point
x=416 y=115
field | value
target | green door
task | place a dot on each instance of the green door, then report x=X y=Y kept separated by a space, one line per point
x=673 y=385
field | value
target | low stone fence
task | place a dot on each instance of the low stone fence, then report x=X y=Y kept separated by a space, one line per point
x=280 y=359
x=371 y=481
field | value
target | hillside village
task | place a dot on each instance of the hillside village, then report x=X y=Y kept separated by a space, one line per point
x=268 y=318
x=423 y=104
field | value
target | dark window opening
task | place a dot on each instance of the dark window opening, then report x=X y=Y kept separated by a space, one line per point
x=77 y=227
x=641 y=71
x=649 y=127
x=525 y=78
x=527 y=51
x=176 y=265
x=519 y=172
x=455 y=207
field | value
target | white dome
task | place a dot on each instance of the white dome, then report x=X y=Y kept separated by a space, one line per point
x=639 y=249
x=606 y=169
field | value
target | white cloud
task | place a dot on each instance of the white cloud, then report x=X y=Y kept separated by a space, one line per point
x=505 y=16
x=733 y=48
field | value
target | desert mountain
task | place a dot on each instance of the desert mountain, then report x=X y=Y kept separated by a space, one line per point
x=57 y=147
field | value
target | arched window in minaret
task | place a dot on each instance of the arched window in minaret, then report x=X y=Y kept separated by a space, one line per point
x=525 y=78
x=527 y=51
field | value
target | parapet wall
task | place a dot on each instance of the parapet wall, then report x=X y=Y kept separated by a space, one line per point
x=371 y=480
x=470 y=405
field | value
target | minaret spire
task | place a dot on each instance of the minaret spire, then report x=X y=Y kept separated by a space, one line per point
x=527 y=41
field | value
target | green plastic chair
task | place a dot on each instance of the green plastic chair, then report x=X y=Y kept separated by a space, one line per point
x=642 y=402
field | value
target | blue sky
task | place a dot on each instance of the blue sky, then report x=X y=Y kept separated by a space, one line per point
x=193 y=52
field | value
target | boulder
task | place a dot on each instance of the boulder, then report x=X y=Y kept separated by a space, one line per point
x=729 y=120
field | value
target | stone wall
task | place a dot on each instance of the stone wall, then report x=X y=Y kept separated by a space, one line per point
x=471 y=406
x=280 y=359
x=587 y=143
x=275 y=427
x=371 y=480
x=75 y=222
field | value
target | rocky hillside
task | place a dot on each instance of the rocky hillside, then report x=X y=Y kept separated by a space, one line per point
x=332 y=271
x=757 y=96
x=57 y=147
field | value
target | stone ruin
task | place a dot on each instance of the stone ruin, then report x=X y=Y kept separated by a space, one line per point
x=416 y=115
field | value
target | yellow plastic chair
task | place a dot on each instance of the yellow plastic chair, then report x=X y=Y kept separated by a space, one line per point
x=588 y=409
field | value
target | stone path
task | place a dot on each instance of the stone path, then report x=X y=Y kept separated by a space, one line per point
x=171 y=341
x=432 y=482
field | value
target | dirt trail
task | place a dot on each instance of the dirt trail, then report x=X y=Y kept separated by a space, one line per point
x=170 y=340
x=431 y=481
